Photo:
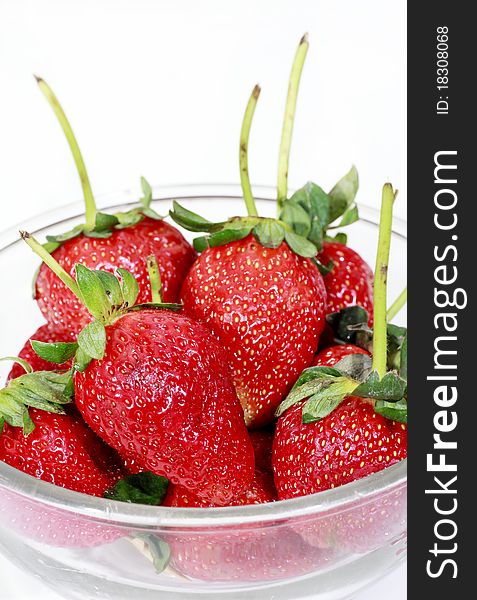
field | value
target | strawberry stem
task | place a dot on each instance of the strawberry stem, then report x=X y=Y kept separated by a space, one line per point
x=289 y=117
x=53 y=264
x=155 y=279
x=90 y=204
x=397 y=305
x=243 y=152
x=380 y=280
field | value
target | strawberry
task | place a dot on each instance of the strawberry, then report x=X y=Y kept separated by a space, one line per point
x=106 y=242
x=46 y=334
x=339 y=434
x=351 y=442
x=161 y=394
x=266 y=306
x=332 y=355
x=350 y=281
x=154 y=385
x=61 y=450
x=261 y=489
x=257 y=284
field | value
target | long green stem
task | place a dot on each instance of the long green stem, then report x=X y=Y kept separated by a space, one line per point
x=90 y=204
x=288 y=120
x=52 y=263
x=154 y=279
x=243 y=152
x=397 y=305
x=380 y=280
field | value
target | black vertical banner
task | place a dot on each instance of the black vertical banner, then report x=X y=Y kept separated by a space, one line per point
x=442 y=167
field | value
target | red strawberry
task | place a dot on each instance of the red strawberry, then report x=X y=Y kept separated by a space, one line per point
x=330 y=356
x=107 y=242
x=61 y=450
x=153 y=384
x=350 y=443
x=261 y=490
x=162 y=396
x=350 y=282
x=266 y=306
x=126 y=248
x=47 y=334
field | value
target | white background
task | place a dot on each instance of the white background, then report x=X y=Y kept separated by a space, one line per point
x=158 y=88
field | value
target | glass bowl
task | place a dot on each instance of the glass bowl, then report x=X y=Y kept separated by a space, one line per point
x=326 y=546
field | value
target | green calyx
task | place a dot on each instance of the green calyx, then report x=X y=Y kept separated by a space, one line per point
x=311 y=212
x=107 y=297
x=303 y=223
x=45 y=390
x=141 y=488
x=105 y=224
x=150 y=489
x=350 y=326
x=97 y=224
x=324 y=388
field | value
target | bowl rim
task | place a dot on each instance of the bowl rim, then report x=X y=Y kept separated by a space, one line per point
x=340 y=498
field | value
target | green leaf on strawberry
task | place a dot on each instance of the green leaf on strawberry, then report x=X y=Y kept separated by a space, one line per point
x=342 y=321
x=396 y=411
x=140 y=488
x=342 y=198
x=92 y=339
x=57 y=352
x=45 y=390
x=390 y=387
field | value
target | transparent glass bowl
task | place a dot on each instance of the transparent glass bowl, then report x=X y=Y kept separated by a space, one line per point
x=327 y=546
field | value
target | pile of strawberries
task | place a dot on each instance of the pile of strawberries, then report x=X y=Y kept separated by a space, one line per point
x=248 y=368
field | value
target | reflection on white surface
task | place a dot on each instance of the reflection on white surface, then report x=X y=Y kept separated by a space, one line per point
x=16 y=585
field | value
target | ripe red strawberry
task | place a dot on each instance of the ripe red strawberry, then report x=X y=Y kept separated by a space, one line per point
x=350 y=443
x=161 y=395
x=259 y=491
x=47 y=334
x=107 y=242
x=330 y=356
x=61 y=450
x=154 y=384
x=350 y=282
x=266 y=306
x=126 y=248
